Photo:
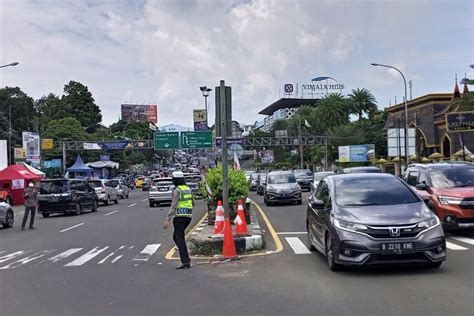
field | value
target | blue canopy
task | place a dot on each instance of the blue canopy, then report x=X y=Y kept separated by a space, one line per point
x=80 y=166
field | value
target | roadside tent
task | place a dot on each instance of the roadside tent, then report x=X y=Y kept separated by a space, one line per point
x=104 y=169
x=79 y=169
x=15 y=178
x=34 y=170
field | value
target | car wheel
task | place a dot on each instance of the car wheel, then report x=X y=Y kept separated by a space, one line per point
x=8 y=220
x=78 y=209
x=127 y=195
x=116 y=200
x=95 y=206
x=436 y=265
x=107 y=202
x=300 y=201
x=333 y=266
x=310 y=236
x=151 y=204
x=9 y=200
x=45 y=215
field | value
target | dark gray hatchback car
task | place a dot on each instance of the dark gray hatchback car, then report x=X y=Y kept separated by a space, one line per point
x=372 y=219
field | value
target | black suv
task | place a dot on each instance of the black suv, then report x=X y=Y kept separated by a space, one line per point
x=66 y=196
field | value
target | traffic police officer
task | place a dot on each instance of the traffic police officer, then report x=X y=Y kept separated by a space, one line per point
x=181 y=212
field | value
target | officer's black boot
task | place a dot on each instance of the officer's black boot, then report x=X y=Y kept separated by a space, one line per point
x=183 y=266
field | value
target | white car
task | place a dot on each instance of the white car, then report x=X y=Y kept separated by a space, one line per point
x=6 y=215
x=105 y=193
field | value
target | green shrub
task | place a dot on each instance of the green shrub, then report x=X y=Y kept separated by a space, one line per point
x=238 y=185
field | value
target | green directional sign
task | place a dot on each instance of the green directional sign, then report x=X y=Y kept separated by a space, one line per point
x=166 y=140
x=190 y=140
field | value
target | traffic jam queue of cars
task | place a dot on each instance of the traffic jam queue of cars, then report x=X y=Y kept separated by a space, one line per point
x=361 y=216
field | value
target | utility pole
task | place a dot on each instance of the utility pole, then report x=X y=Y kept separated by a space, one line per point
x=10 y=160
x=225 y=183
x=301 y=143
x=325 y=153
x=410 y=84
x=64 y=157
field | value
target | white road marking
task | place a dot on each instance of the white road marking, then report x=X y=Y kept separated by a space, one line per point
x=109 y=213
x=144 y=200
x=63 y=255
x=291 y=233
x=86 y=257
x=12 y=255
x=116 y=258
x=147 y=252
x=39 y=254
x=2 y=251
x=454 y=246
x=131 y=247
x=72 y=227
x=131 y=205
x=110 y=255
x=297 y=245
x=466 y=240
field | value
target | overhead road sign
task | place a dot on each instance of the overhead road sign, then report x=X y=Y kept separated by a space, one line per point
x=166 y=140
x=191 y=140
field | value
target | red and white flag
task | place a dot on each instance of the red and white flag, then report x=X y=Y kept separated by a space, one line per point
x=236 y=162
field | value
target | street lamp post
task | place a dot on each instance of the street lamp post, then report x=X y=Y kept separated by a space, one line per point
x=9 y=120
x=205 y=93
x=406 y=108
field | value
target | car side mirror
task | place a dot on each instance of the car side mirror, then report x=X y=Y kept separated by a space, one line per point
x=422 y=186
x=316 y=204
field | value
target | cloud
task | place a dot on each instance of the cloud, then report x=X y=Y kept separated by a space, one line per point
x=161 y=51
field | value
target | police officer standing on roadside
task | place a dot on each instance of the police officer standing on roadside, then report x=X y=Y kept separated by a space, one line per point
x=31 y=203
x=181 y=213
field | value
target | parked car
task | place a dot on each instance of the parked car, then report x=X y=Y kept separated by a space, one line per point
x=448 y=190
x=146 y=184
x=192 y=181
x=281 y=187
x=318 y=176
x=372 y=219
x=262 y=182
x=122 y=190
x=7 y=217
x=304 y=178
x=105 y=193
x=253 y=181
x=361 y=170
x=6 y=195
x=160 y=191
x=139 y=181
x=66 y=196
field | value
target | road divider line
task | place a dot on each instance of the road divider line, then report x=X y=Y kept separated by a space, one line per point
x=454 y=246
x=131 y=205
x=466 y=240
x=147 y=252
x=291 y=233
x=109 y=213
x=72 y=227
x=86 y=257
x=297 y=245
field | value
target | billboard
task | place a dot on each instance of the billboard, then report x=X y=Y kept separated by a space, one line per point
x=460 y=122
x=19 y=153
x=200 y=120
x=356 y=153
x=3 y=154
x=32 y=146
x=396 y=139
x=266 y=156
x=47 y=144
x=140 y=113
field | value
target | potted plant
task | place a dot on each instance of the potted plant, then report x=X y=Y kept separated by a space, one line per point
x=238 y=189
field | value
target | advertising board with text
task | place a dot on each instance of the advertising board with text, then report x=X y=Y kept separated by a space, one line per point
x=356 y=153
x=147 y=113
x=460 y=122
x=32 y=146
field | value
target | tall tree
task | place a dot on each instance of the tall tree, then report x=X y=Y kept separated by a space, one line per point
x=333 y=110
x=47 y=108
x=362 y=101
x=79 y=103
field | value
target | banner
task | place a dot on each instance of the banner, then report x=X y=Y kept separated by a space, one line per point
x=19 y=153
x=266 y=156
x=91 y=146
x=140 y=113
x=47 y=144
x=53 y=163
x=115 y=145
x=356 y=153
x=200 y=120
x=3 y=154
x=31 y=143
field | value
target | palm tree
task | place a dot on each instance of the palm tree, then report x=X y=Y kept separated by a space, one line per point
x=280 y=124
x=332 y=110
x=363 y=101
x=343 y=135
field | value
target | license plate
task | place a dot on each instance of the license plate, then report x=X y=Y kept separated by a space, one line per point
x=397 y=248
x=162 y=189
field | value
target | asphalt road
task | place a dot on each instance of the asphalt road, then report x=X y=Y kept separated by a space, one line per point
x=113 y=263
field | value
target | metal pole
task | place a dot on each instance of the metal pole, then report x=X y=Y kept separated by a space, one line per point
x=301 y=143
x=64 y=157
x=225 y=183
x=10 y=160
x=325 y=153
x=463 y=147
x=399 y=149
x=205 y=107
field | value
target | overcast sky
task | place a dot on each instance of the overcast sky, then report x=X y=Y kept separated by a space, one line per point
x=161 y=51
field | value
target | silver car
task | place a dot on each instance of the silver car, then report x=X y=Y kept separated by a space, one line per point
x=160 y=191
x=123 y=190
x=281 y=187
x=318 y=176
x=6 y=215
x=105 y=193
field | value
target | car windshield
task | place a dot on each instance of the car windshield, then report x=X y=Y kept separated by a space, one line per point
x=112 y=183
x=322 y=175
x=193 y=179
x=281 y=178
x=362 y=170
x=453 y=178
x=254 y=176
x=263 y=178
x=372 y=191
x=303 y=173
x=95 y=184
x=49 y=187
x=163 y=183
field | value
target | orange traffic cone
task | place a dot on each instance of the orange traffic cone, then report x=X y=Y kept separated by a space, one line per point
x=219 y=222
x=228 y=247
x=240 y=221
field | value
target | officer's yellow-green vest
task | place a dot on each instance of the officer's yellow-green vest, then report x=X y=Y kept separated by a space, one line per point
x=185 y=203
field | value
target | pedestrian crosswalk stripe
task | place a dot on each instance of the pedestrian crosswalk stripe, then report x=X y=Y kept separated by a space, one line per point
x=63 y=255
x=25 y=260
x=110 y=255
x=12 y=255
x=147 y=252
x=116 y=258
x=466 y=240
x=86 y=257
x=454 y=246
x=297 y=245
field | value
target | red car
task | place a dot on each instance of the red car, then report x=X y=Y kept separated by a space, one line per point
x=448 y=190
